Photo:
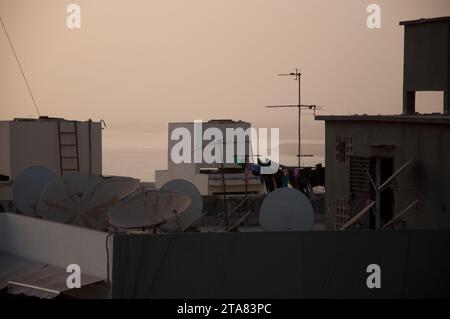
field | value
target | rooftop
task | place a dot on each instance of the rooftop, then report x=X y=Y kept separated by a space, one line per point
x=418 y=118
x=216 y=121
x=39 y=119
x=425 y=20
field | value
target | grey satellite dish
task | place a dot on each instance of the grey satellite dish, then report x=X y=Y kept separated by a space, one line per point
x=192 y=213
x=28 y=186
x=286 y=209
x=147 y=209
x=122 y=186
x=84 y=200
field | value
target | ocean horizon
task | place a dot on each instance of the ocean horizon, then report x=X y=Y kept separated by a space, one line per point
x=142 y=161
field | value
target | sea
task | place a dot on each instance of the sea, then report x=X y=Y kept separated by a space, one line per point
x=140 y=154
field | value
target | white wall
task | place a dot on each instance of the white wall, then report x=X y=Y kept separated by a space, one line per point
x=199 y=180
x=33 y=143
x=36 y=143
x=96 y=146
x=221 y=125
x=190 y=171
x=54 y=243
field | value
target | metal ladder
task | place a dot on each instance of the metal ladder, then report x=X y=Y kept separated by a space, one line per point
x=68 y=151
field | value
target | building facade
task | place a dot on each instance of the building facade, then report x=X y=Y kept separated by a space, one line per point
x=392 y=170
x=363 y=152
x=207 y=177
x=58 y=144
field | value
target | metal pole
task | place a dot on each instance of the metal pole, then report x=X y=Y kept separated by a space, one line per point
x=299 y=120
x=246 y=182
x=378 y=194
x=224 y=189
x=246 y=177
x=90 y=146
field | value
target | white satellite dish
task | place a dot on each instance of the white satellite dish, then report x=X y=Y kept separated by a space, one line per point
x=192 y=213
x=84 y=200
x=286 y=209
x=149 y=208
x=28 y=186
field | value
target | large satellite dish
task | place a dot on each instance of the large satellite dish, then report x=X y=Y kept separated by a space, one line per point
x=28 y=186
x=147 y=209
x=192 y=213
x=84 y=200
x=286 y=209
x=123 y=186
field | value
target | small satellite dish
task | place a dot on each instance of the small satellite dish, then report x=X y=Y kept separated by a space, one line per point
x=286 y=209
x=84 y=200
x=192 y=213
x=149 y=208
x=28 y=186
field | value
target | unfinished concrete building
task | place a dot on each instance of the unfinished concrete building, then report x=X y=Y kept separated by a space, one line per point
x=392 y=171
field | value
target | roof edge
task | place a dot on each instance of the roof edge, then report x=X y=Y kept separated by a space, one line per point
x=426 y=20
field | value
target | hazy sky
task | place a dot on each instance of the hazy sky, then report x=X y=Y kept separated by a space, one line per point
x=152 y=62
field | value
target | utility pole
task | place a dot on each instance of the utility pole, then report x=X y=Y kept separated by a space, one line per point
x=297 y=77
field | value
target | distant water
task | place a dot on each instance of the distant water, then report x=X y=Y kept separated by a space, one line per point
x=148 y=153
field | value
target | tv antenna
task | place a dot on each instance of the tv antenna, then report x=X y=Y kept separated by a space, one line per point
x=297 y=77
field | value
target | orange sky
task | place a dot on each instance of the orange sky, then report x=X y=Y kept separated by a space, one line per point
x=151 y=62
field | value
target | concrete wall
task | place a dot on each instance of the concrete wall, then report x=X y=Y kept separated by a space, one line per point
x=221 y=125
x=427 y=61
x=190 y=171
x=427 y=179
x=36 y=143
x=414 y=264
x=427 y=56
x=53 y=243
x=185 y=172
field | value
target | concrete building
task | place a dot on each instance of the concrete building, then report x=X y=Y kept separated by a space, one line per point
x=205 y=176
x=426 y=60
x=378 y=146
x=396 y=163
x=58 y=144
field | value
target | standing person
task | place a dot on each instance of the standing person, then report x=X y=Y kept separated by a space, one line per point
x=295 y=178
x=303 y=181
x=285 y=178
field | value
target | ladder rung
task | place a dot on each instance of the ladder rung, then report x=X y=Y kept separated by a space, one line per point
x=68 y=144
x=69 y=156
x=67 y=132
x=70 y=169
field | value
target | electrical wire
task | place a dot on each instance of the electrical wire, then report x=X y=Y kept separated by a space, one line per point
x=20 y=67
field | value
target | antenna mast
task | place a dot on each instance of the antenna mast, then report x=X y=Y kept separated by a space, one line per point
x=297 y=77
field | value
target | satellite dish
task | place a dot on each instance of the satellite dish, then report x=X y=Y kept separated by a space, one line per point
x=84 y=200
x=123 y=186
x=192 y=213
x=286 y=209
x=28 y=186
x=149 y=208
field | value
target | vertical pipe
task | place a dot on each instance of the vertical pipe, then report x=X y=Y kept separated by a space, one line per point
x=90 y=147
x=224 y=190
x=299 y=120
x=378 y=194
